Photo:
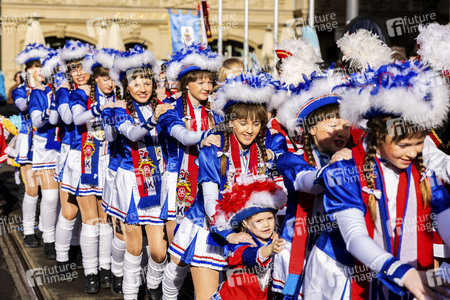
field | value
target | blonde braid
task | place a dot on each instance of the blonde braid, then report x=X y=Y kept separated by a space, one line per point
x=307 y=147
x=184 y=102
x=425 y=188
x=226 y=147
x=368 y=174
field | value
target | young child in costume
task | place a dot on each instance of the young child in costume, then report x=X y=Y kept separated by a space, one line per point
x=45 y=148
x=384 y=200
x=136 y=202
x=250 y=207
x=315 y=108
x=30 y=57
x=242 y=151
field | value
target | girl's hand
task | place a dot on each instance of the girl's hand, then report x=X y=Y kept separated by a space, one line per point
x=120 y=104
x=212 y=139
x=240 y=237
x=270 y=154
x=161 y=109
x=343 y=154
x=161 y=93
x=417 y=283
x=276 y=246
x=107 y=105
x=86 y=88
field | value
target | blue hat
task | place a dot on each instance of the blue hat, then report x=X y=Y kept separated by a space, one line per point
x=193 y=58
x=31 y=52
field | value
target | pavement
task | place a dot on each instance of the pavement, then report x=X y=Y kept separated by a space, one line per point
x=24 y=272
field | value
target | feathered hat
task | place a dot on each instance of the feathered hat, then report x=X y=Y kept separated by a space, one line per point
x=137 y=57
x=31 y=52
x=407 y=90
x=279 y=96
x=50 y=62
x=193 y=58
x=433 y=42
x=245 y=88
x=246 y=200
x=298 y=57
x=363 y=49
x=103 y=57
x=311 y=94
x=73 y=50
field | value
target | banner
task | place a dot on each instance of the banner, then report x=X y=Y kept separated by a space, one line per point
x=203 y=8
x=184 y=30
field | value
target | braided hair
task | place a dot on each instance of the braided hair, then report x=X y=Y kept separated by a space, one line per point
x=99 y=71
x=245 y=111
x=133 y=74
x=378 y=131
x=193 y=77
x=29 y=65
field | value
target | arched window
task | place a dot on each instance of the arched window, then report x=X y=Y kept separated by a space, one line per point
x=57 y=43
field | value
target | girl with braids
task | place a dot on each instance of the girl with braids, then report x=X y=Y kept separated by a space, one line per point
x=314 y=110
x=384 y=201
x=145 y=126
x=69 y=77
x=87 y=162
x=45 y=149
x=30 y=57
x=242 y=153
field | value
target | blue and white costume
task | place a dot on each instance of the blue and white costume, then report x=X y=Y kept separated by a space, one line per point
x=25 y=136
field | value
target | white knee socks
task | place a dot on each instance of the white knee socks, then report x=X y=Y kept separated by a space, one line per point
x=173 y=279
x=104 y=250
x=131 y=276
x=63 y=236
x=118 y=251
x=49 y=207
x=29 y=213
x=155 y=272
x=89 y=248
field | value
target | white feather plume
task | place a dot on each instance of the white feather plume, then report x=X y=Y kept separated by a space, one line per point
x=49 y=65
x=73 y=50
x=406 y=102
x=364 y=48
x=36 y=53
x=434 y=41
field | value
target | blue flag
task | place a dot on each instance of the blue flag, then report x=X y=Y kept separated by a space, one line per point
x=184 y=30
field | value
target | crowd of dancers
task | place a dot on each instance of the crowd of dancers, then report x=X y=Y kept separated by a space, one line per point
x=311 y=184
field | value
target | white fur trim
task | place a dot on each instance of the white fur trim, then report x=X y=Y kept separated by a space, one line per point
x=104 y=59
x=37 y=53
x=73 y=54
x=434 y=41
x=242 y=93
x=50 y=65
x=288 y=112
x=408 y=103
x=277 y=99
x=262 y=199
x=123 y=64
x=201 y=61
x=364 y=48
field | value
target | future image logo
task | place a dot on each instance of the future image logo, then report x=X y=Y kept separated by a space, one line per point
x=407 y=25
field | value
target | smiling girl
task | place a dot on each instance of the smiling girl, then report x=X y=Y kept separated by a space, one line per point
x=242 y=102
x=384 y=200
x=30 y=57
x=250 y=208
x=314 y=110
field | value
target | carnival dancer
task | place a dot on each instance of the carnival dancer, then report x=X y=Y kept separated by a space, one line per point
x=313 y=107
x=30 y=57
x=195 y=68
x=139 y=179
x=87 y=160
x=243 y=100
x=250 y=207
x=66 y=80
x=45 y=148
x=384 y=200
